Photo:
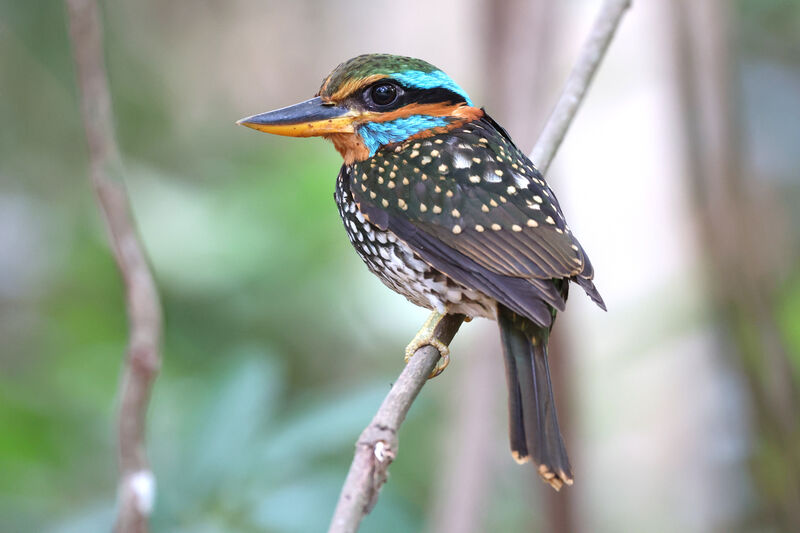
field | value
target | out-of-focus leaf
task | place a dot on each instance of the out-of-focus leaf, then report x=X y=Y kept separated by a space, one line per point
x=327 y=427
x=241 y=406
x=302 y=506
x=97 y=517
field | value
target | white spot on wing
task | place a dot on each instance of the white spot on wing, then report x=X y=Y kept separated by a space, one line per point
x=459 y=161
x=492 y=177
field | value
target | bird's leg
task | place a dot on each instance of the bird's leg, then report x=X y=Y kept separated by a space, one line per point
x=427 y=336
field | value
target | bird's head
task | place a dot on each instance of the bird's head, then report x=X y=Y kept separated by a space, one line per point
x=372 y=101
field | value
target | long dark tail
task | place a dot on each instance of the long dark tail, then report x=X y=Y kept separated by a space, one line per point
x=533 y=423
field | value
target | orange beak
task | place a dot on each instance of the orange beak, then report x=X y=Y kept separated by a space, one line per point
x=311 y=118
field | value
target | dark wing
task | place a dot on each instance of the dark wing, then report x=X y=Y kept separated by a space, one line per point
x=470 y=197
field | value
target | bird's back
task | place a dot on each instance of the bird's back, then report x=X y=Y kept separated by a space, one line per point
x=468 y=203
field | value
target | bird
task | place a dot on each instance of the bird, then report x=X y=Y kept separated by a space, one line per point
x=446 y=210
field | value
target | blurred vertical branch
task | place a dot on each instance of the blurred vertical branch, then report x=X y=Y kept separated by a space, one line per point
x=137 y=484
x=518 y=32
x=522 y=32
x=559 y=507
x=731 y=212
x=377 y=446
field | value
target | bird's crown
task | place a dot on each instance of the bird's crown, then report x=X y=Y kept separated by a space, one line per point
x=411 y=73
x=374 y=100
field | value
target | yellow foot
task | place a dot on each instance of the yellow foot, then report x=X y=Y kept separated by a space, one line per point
x=427 y=336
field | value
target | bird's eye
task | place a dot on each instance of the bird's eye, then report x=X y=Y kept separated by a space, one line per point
x=383 y=94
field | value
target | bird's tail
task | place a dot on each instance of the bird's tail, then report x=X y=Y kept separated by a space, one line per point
x=533 y=423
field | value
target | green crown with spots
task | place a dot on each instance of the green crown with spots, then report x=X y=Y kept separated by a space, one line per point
x=364 y=66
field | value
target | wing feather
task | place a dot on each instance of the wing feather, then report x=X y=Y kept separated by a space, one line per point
x=470 y=197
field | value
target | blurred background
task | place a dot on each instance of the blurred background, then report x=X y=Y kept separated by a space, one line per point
x=681 y=176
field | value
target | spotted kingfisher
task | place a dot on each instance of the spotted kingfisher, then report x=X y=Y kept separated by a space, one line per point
x=444 y=208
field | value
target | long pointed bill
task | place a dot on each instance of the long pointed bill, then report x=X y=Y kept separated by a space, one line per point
x=306 y=119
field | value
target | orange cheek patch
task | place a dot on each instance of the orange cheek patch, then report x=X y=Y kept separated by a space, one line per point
x=468 y=113
x=463 y=114
x=460 y=111
x=350 y=146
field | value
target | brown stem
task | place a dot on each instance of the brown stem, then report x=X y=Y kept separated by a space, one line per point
x=377 y=446
x=137 y=484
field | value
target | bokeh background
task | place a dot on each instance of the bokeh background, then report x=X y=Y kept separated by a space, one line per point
x=681 y=175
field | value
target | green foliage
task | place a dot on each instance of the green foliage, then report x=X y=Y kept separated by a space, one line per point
x=789 y=318
x=770 y=27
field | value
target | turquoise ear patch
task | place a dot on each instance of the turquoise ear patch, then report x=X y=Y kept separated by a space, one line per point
x=377 y=134
x=430 y=80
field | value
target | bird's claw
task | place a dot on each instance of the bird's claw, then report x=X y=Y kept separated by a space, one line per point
x=444 y=353
x=427 y=337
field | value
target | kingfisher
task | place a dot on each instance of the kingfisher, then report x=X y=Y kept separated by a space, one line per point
x=444 y=208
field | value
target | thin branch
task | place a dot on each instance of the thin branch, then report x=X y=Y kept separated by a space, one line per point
x=377 y=446
x=578 y=82
x=137 y=483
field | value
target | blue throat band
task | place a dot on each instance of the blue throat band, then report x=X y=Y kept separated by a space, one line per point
x=377 y=134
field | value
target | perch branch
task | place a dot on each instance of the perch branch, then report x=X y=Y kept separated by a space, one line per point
x=136 y=489
x=578 y=82
x=377 y=446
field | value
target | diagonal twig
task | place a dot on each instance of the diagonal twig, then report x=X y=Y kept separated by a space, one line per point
x=136 y=490
x=377 y=446
x=595 y=47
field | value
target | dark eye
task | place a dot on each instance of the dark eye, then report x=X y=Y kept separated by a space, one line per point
x=383 y=94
